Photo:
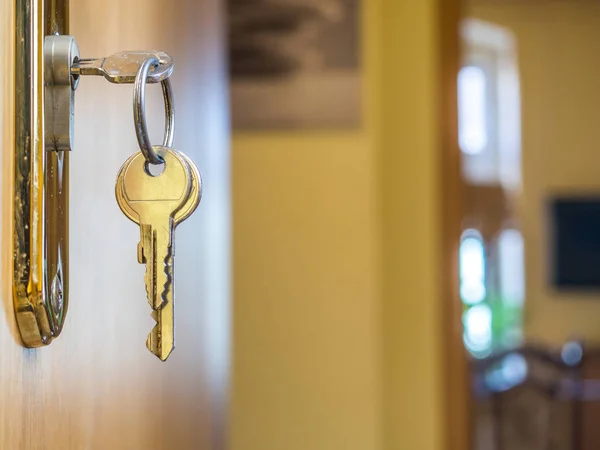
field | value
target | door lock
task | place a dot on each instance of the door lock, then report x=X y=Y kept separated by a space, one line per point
x=48 y=69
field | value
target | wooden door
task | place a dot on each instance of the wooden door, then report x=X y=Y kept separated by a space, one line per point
x=96 y=386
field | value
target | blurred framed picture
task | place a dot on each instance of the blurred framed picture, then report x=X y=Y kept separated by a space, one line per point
x=294 y=64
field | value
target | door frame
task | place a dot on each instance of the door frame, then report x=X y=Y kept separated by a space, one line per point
x=457 y=392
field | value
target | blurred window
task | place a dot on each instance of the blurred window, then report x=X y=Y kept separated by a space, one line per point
x=472 y=268
x=512 y=266
x=489 y=110
x=477 y=322
x=472 y=115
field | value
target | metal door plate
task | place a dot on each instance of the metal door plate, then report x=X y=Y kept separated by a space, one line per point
x=41 y=184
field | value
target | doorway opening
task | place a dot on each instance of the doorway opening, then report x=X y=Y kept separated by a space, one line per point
x=491 y=253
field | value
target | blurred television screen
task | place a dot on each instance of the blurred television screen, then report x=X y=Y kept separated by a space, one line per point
x=575 y=226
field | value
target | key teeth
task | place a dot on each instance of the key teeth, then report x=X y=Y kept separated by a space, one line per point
x=140 y=253
x=168 y=277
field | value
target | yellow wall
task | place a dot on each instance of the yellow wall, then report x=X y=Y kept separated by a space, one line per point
x=558 y=44
x=306 y=336
x=316 y=217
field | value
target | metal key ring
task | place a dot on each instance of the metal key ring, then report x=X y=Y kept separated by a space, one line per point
x=139 y=112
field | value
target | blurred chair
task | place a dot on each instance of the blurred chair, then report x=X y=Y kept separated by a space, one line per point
x=536 y=398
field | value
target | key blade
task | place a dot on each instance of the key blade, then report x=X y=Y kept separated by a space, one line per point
x=155 y=251
x=147 y=256
x=161 y=340
x=88 y=66
x=156 y=241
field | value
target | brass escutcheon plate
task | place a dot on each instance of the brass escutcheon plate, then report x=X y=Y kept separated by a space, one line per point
x=41 y=184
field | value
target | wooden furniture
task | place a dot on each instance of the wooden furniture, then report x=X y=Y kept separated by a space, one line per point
x=555 y=406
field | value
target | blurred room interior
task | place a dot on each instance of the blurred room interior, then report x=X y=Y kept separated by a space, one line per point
x=529 y=273
x=430 y=279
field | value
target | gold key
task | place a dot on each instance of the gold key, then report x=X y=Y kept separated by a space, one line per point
x=158 y=204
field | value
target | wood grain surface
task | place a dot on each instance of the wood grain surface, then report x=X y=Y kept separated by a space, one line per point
x=96 y=386
x=457 y=392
